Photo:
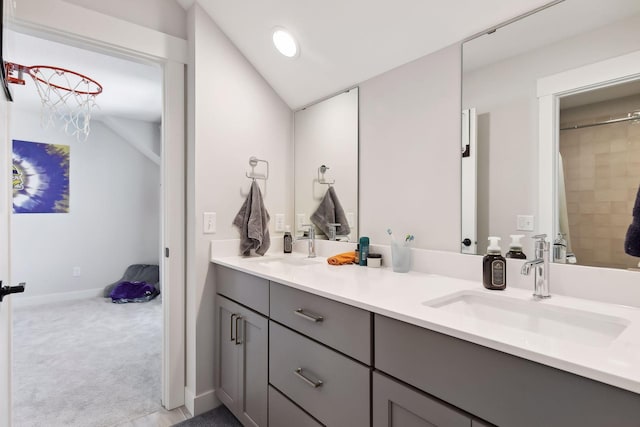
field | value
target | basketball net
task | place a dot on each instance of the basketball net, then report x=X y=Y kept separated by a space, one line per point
x=67 y=97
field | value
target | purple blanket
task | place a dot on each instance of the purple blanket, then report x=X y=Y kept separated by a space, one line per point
x=133 y=292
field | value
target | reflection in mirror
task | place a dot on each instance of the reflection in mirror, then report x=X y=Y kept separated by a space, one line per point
x=326 y=167
x=500 y=74
x=599 y=174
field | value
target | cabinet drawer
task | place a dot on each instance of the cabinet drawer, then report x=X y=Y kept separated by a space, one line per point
x=397 y=405
x=502 y=389
x=283 y=413
x=248 y=290
x=330 y=386
x=338 y=325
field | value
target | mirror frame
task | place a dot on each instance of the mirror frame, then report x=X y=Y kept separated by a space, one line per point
x=550 y=89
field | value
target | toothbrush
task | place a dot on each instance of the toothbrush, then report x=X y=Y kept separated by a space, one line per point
x=390 y=233
x=408 y=238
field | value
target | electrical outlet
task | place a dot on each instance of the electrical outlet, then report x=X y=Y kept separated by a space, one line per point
x=525 y=223
x=209 y=223
x=279 y=222
x=76 y=272
x=300 y=219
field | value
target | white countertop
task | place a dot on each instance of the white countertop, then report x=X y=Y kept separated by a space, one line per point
x=401 y=296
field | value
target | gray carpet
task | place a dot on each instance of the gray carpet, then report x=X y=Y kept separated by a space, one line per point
x=219 y=417
x=87 y=363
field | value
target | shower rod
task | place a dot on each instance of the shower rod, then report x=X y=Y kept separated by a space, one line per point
x=632 y=116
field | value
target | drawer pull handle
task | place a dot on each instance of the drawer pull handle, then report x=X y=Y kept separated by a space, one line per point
x=231 y=324
x=238 y=340
x=312 y=317
x=314 y=384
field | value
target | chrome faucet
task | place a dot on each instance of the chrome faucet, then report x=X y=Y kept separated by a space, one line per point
x=311 y=237
x=541 y=264
x=333 y=226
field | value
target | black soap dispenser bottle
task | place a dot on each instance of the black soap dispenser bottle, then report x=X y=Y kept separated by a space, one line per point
x=494 y=267
x=515 y=248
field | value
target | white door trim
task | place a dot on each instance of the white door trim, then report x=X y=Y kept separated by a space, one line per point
x=550 y=89
x=6 y=191
x=71 y=24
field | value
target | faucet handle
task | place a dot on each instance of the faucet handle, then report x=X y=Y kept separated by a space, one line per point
x=540 y=237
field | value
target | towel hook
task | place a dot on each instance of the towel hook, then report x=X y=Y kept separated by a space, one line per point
x=321 y=170
x=253 y=161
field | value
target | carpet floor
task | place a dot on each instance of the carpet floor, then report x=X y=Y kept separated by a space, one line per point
x=219 y=417
x=87 y=363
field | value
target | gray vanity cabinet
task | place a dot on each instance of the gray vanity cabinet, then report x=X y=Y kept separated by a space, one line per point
x=242 y=361
x=397 y=405
x=503 y=389
x=328 y=385
x=283 y=412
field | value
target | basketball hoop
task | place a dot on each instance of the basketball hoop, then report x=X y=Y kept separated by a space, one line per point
x=67 y=97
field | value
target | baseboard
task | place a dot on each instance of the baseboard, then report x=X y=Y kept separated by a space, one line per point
x=23 y=300
x=202 y=403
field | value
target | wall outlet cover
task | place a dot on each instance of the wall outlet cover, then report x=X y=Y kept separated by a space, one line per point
x=279 y=222
x=300 y=219
x=525 y=223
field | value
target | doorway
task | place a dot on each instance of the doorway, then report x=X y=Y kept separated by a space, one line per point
x=172 y=218
x=86 y=207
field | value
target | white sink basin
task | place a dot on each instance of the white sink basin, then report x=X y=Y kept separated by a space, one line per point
x=592 y=329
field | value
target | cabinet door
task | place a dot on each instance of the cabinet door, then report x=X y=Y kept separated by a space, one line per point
x=397 y=405
x=254 y=368
x=242 y=362
x=227 y=353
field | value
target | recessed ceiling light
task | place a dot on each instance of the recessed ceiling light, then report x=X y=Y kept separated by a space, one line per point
x=285 y=43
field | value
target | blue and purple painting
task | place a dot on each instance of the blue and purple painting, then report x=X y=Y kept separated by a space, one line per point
x=40 y=177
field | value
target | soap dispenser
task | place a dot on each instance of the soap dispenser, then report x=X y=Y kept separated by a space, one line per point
x=288 y=240
x=494 y=267
x=560 y=249
x=515 y=248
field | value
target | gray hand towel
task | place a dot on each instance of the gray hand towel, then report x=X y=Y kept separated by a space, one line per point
x=330 y=211
x=632 y=239
x=253 y=222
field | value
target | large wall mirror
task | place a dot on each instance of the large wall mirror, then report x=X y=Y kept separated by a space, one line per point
x=326 y=167
x=595 y=175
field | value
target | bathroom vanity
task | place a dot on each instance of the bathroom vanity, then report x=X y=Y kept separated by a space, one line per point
x=300 y=340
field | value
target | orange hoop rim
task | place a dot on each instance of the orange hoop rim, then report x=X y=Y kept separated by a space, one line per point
x=64 y=70
x=13 y=67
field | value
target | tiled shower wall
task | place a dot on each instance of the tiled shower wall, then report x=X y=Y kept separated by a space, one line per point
x=602 y=175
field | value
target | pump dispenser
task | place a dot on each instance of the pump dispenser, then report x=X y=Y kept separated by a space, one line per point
x=288 y=240
x=494 y=267
x=515 y=248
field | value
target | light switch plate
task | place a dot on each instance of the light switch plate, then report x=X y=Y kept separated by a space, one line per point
x=76 y=272
x=279 y=222
x=209 y=222
x=525 y=223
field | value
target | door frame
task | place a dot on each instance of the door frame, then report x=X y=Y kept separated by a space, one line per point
x=67 y=23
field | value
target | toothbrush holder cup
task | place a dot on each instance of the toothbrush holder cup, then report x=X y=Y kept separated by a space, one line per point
x=400 y=258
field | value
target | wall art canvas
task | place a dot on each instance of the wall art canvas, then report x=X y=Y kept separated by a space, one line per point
x=40 y=177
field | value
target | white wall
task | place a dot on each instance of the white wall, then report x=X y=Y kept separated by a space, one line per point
x=233 y=114
x=505 y=95
x=410 y=152
x=166 y=16
x=113 y=220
